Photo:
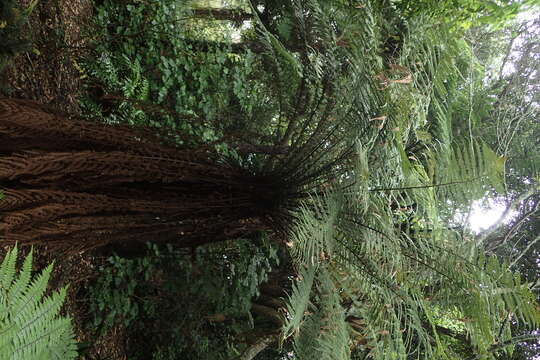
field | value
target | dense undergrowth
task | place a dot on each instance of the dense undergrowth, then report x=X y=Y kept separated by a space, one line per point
x=150 y=69
x=181 y=305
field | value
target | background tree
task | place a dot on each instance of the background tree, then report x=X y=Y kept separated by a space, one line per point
x=12 y=18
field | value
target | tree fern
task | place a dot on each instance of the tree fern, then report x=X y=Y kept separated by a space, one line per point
x=30 y=327
x=395 y=264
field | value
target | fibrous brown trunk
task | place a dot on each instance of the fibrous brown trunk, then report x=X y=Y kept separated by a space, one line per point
x=75 y=184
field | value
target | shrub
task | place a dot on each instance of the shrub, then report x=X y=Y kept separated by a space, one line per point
x=182 y=303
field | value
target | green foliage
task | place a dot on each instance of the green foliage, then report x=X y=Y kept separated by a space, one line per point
x=115 y=293
x=209 y=294
x=12 y=18
x=474 y=164
x=436 y=118
x=30 y=327
x=159 y=71
x=464 y=13
x=373 y=99
x=298 y=302
x=398 y=287
x=324 y=334
x=383 y=242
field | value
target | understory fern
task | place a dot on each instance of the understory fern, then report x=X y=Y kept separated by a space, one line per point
x=30 y=327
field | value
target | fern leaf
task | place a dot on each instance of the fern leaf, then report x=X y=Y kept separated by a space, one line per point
x=7 y=271
x=30 y=327
x=298 y=302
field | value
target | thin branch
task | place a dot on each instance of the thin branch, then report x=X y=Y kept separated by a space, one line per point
x=512 y=341
x=521 y=221
x=422 y=186
x=252 y=351
x=520 y=31
x=507 y=213
x=524 y=251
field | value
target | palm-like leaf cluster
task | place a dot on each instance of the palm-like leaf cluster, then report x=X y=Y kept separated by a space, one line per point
x=322 y=93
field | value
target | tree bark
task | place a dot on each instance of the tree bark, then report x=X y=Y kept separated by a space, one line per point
x=73 y=184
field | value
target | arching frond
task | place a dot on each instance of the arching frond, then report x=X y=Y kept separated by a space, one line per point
x=325 y=334
x=299 y=301
x=403 y=289
x=30 y=327
x=315 y=236
x=467 y=172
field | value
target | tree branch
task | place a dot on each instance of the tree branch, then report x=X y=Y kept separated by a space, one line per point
x=486 y=233
x=512 y=341
x=253 y=350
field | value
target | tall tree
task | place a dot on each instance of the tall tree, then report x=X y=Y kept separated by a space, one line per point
x=371 y=169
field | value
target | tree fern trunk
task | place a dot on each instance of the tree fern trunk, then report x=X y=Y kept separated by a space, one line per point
x=80 y=185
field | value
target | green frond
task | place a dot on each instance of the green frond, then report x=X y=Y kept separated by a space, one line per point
x=299 y=301
x=30 y=327
x=402 y=286
x=314 y=237
x=7 y=271
x=469 y=172
x=321 y=82
x=16 y=292
x=324 y=333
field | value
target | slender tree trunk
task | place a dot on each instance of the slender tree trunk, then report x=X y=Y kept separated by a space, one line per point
x=235 y=47
x=234 y=15
x=73 y=184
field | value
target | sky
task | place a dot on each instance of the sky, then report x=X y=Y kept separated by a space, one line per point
x=485 y=215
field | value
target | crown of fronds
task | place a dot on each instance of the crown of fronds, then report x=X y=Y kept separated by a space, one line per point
x=322 y=87
x=30 y=327
x=376 y=265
